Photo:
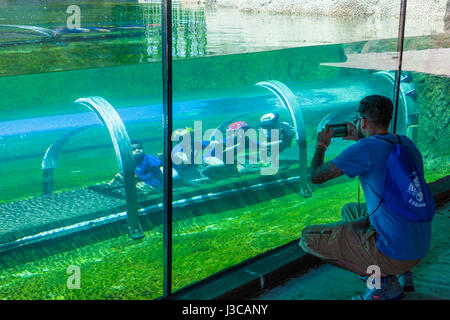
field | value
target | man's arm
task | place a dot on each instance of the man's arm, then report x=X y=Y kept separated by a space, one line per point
x=322 y=172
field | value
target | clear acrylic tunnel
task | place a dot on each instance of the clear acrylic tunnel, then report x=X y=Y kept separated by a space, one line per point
x=72 y=157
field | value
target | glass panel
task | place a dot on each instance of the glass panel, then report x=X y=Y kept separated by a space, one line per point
x=63 y=207
x=225 y=211
x=426 y=82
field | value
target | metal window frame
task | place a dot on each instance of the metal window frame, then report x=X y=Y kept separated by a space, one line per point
x=398 y=72
x=166 y=24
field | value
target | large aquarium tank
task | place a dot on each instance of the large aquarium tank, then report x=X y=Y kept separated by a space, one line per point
x=81 y=108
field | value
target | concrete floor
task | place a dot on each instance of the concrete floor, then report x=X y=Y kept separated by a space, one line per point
x=432 y=275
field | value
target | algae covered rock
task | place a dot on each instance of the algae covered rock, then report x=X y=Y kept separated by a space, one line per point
x=434 y=116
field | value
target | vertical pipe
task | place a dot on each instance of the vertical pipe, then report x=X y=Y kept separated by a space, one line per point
x=47 y=181
x=166 y=23
x=400 y=41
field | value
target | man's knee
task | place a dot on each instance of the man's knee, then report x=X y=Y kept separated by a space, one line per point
x=353 y=211
x=315 y=240
x=347 y=210
x=307 y=241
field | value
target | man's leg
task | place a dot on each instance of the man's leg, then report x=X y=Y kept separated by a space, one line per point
x=355 y=211
x=340 y=244
x=351 y=245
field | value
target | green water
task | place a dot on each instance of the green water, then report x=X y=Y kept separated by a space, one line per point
x=120 y=268
x=42 y=78
x=30 y=96
x=133 y=269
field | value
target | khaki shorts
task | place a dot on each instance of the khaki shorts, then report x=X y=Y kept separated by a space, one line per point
x=351 y=241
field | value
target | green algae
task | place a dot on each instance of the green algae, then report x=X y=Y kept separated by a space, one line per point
x=434 y=117
x=120 y=268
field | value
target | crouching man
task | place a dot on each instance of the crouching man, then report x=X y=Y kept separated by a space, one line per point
x=369 y=234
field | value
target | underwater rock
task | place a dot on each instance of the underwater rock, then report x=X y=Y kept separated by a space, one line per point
x=434 y=130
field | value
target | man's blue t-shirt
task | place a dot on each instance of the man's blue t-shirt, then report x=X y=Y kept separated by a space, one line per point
x=397 y=237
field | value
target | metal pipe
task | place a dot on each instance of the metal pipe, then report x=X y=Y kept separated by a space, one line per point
x=409 y=114
x=400 y=41
x=154 y=208
x=122 y=147
x=290 y=103
x=50 y=159
x=166 y=18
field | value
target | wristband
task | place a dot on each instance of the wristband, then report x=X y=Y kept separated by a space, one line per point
x=322 y=145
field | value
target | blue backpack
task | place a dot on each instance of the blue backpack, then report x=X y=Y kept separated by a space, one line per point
x=405 y=191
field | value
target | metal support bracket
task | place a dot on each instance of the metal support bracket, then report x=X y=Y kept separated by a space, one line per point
x=289 y=101
x=408 y=115
x=122 y=147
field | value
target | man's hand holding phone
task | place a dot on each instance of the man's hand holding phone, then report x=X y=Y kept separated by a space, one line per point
x=324 y=137
x=352 y=132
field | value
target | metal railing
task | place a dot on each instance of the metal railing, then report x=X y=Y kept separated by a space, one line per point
x=290 y=103
x=122 y=147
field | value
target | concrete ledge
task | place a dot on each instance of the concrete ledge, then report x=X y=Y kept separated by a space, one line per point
x=251 y=278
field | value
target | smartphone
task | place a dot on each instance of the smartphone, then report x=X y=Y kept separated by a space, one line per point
x=340 y=130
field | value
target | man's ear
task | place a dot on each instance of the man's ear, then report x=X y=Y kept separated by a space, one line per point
x=364 y=123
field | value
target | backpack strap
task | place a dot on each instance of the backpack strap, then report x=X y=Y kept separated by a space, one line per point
x=381 y=198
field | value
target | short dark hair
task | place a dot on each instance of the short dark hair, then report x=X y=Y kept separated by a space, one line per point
x=378 y=109
x=138 y=143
